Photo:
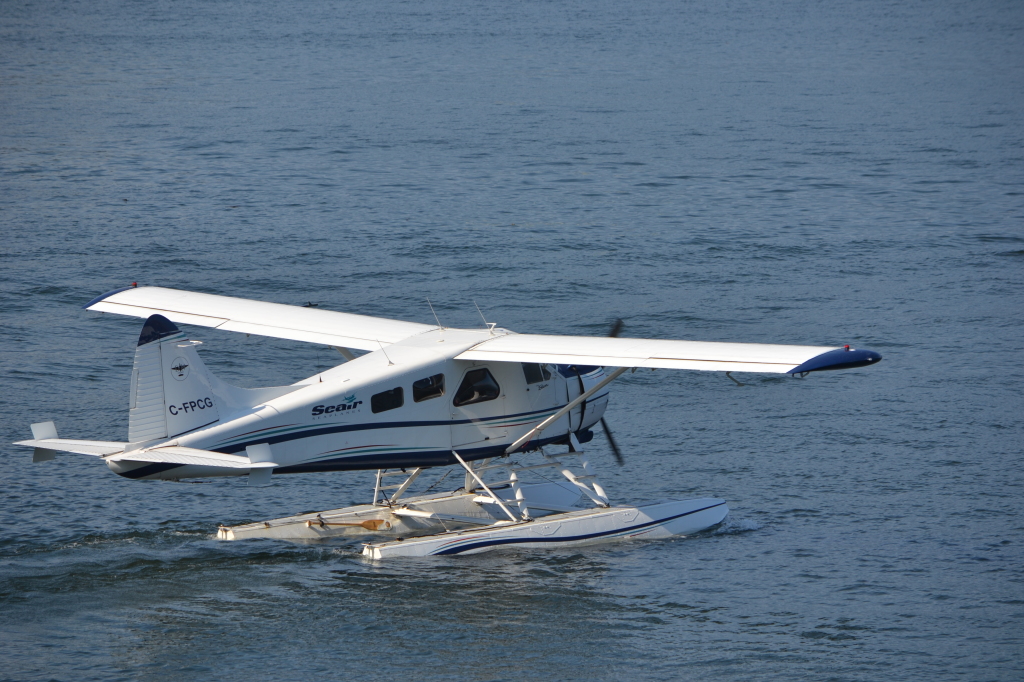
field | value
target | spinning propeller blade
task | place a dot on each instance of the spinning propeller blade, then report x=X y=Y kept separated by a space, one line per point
x=616 y=329
x=613 y=333
x=611 y=442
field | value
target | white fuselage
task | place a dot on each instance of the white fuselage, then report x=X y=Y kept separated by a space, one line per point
x=354 y=417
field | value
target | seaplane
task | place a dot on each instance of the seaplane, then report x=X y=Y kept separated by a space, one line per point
x=508 y=412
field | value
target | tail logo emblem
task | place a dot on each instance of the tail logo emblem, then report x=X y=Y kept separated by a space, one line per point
x=179 y=370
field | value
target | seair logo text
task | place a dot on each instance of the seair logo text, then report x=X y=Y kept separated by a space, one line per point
x=190 y=406
x=350 y=403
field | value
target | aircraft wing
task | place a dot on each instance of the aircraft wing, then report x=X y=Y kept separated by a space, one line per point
x=702 y=355
x=257 y=317
x=181 y=455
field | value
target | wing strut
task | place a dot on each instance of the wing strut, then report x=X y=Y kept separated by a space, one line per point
x=558 y=415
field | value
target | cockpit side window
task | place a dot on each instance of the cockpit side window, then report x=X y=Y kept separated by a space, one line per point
x=387 y=400
x=425 y=389
x=479 y=386
x=535 y=373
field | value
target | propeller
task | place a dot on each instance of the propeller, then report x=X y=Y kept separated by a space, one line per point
x=611 y=442
x=613 y=333
x=616 y=328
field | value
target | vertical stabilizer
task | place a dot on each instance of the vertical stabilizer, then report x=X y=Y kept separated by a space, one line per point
x=173 y=393
x=170 y=392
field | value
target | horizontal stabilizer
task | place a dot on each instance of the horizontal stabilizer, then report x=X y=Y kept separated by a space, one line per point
x=258 y=317
x=181 y=455
x=96 y=448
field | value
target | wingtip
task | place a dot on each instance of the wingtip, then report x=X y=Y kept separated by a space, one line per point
x=108 y=295
x=840 y=358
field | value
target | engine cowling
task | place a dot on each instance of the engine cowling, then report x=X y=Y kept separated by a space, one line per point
x=579 y=379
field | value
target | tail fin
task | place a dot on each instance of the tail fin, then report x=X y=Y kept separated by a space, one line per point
x=173 y=393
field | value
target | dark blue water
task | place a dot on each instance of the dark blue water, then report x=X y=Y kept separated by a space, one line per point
x=741 y=171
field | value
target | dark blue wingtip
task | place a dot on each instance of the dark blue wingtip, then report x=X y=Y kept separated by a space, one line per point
x=157 y=327
x=106 y=295
x=841 y=358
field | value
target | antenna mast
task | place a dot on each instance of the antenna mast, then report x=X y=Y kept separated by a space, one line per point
x=439 y=325
x=383 y=351
x=490 y=325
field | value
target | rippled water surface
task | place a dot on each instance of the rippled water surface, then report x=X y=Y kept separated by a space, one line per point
x=741 y=171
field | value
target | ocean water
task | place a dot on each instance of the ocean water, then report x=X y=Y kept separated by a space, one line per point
x=810 y=173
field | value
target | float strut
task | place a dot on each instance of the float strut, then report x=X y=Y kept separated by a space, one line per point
x=484 y=486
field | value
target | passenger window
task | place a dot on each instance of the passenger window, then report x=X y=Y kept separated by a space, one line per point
x=535 y=373
x=478 y=387
x=428 y=388
x=388 y=400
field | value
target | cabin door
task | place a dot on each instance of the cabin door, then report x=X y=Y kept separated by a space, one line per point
x=544 y=393
x=478 y=409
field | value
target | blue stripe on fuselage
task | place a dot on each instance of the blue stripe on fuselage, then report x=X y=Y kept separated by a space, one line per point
x=388 y=460
x=364 y=462
x=342 y=428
